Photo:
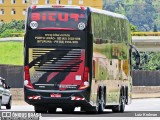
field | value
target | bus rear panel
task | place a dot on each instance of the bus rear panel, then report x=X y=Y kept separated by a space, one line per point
x=55 y=57
x=77 y=57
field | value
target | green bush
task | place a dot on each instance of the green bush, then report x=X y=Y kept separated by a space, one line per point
x=11 y=33
x=12 y=29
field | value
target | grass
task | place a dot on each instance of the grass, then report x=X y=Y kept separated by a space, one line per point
x=11 y=53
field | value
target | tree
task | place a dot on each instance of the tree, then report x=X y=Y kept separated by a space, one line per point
x=154 y=62
x=2 y=27
x=133 y=28
x=149 y=61
x=120 y=7
x=142 y=14
x=6 y=29
x=155 y=28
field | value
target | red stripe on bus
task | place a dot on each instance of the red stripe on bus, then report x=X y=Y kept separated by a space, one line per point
x=52 y=75
x=70 y=78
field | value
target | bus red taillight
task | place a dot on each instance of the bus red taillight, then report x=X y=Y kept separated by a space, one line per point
x=27 y=81
x=85 y=83
x=86 y=74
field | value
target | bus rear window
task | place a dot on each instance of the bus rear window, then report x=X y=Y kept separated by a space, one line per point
x=48 y=18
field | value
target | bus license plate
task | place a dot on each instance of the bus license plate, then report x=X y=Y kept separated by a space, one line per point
x=56 y=95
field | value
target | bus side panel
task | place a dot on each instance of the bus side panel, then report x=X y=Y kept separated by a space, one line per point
x=111 y=61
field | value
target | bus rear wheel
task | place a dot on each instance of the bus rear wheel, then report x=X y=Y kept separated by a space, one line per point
x=121 y=106
x=101 y=101
x=126 y=95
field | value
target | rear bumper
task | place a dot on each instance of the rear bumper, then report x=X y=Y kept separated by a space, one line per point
x=69 y=98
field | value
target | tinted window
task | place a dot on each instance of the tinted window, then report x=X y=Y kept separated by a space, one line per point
x=57 y=18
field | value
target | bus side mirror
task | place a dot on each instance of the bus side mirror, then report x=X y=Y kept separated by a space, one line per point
x=137 y=59
x=137 y=55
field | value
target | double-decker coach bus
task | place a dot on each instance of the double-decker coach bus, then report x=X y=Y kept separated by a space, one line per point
x=77 y=57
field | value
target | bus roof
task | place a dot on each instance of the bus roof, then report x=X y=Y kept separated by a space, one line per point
x=58 y=6
x=105 y=12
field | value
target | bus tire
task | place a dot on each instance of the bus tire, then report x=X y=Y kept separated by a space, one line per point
x=68 y=109
x=40 y=109
x=101 y=101
x=122 y=100
x=116 y=109
x=126 y=95
x=121 y=107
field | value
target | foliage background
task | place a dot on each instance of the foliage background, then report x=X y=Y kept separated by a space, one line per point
x=12 y=29
x=149 y=61
x=145 y=14
x=14 y=50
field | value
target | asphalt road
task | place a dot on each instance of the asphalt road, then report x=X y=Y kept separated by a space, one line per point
x=150 y=104
x=138 y=106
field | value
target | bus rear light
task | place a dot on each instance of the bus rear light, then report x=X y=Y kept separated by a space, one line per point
x=27 y=81
x=28 y=84
x=85 y=83
x=86 y=74
x=34 y=7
